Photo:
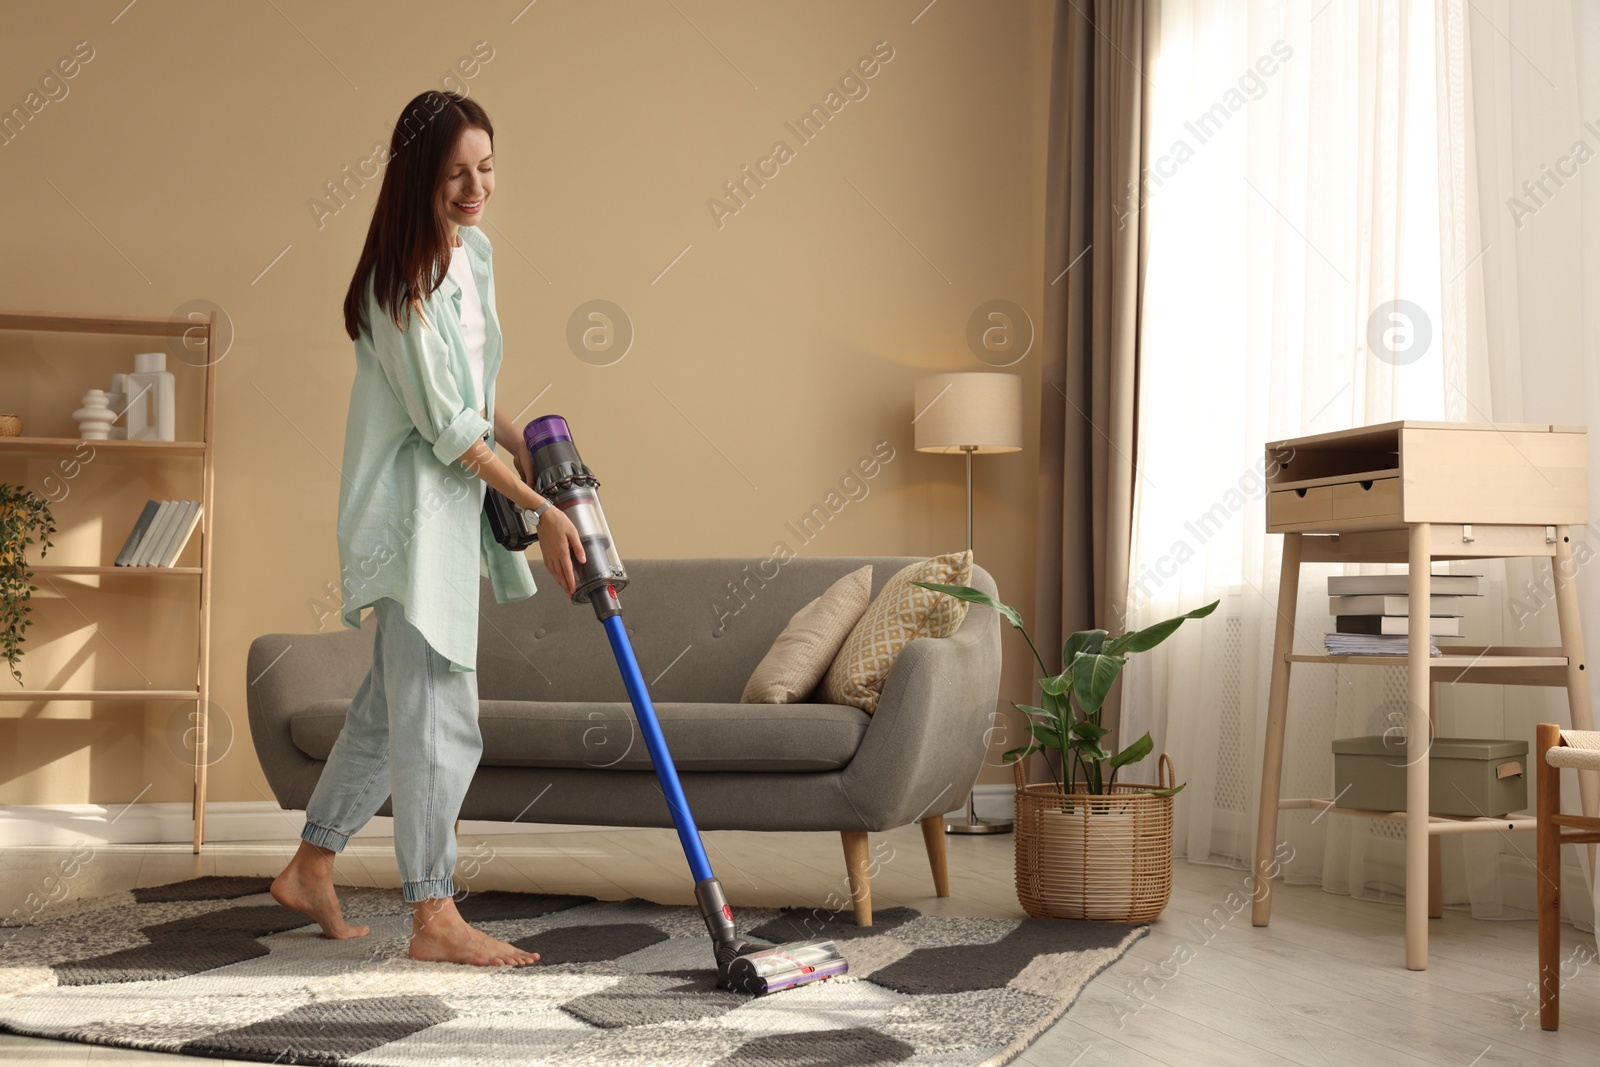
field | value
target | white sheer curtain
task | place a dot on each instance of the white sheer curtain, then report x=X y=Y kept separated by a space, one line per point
x=1335 y=178
x=1533 y=123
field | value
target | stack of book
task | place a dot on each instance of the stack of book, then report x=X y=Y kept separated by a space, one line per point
x=1372 y=612
x=159 y=534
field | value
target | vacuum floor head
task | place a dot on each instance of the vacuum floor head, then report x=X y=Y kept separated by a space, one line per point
x=759 y=971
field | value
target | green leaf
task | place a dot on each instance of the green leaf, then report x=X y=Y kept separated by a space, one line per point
x=1089 y=750
x=1165 y=792
x=1057 y=685
x=976 y=596
x=1012 y=755
x=1134 y=752
x=1082 y=641
x=1089 y=730
x=1092 y=677
x=1151 y=636
x=1046 y=735
x=1029 y=710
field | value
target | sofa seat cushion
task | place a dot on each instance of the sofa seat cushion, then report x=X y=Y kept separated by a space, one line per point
x=701 y=737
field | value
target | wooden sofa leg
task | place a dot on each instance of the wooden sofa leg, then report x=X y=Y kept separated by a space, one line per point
x=1547 y=867
x=855 y=861
x=933 y=838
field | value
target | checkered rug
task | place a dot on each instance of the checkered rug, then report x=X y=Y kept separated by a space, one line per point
x=214 y=967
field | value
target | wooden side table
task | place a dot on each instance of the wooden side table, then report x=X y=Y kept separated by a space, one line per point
x=1414 y=492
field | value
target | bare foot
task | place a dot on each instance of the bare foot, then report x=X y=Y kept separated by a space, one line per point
x=438 y=932
x=306 y=886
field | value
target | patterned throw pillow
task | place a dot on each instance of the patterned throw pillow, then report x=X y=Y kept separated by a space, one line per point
x=901 y=613
x=800 y=656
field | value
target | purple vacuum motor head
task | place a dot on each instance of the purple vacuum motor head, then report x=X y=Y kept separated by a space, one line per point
x=560 y=475
x=544 y=429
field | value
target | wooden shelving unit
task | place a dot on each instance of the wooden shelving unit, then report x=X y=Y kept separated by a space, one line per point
x=1415 y=492
x=204 y=450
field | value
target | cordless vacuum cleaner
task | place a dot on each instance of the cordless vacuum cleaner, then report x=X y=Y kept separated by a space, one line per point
x=560 y=476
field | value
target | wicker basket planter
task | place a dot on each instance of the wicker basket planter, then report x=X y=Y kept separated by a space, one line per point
x=1094 y=857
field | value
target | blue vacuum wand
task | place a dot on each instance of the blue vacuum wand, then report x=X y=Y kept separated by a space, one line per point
x=560 y=476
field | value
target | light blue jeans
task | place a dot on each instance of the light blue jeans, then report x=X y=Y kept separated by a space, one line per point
x=411 y=732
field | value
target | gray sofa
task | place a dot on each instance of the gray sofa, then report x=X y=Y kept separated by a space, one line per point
x=559 y=740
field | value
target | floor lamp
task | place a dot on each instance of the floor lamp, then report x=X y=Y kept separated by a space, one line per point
x=969 y=412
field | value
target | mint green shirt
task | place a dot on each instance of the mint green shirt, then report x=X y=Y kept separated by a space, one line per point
x=411 y=522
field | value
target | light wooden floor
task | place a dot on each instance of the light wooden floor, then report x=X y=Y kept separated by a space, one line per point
x=1324 y=985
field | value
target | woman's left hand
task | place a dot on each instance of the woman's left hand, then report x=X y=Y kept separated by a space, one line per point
x=559 y=544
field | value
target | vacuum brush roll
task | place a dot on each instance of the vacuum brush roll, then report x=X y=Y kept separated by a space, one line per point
x=768 y=970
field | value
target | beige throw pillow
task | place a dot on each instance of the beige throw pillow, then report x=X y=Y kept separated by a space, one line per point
x=800 y=656
x=902 y=613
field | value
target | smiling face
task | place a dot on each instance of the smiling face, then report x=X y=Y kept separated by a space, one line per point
x=468 y=180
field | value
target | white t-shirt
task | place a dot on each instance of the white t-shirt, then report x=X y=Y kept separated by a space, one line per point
x=472 y=328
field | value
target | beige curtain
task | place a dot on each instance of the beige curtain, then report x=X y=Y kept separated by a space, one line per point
x=1094 y=276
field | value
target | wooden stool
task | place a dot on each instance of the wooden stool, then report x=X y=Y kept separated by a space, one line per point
x=1557 y=748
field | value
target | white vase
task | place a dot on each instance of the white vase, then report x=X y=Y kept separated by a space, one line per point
x=151 y=408
x=94 y=418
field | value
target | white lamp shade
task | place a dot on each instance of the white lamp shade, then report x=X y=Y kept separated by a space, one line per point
x=980 y=410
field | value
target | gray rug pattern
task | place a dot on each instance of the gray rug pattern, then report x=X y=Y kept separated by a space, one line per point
x=214 y=967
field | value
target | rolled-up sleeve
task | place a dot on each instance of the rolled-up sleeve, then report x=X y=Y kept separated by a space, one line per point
x=416 y=362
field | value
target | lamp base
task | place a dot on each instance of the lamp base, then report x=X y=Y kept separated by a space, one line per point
x=974 y=825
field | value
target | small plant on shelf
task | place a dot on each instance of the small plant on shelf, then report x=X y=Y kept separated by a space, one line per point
x=25 y=519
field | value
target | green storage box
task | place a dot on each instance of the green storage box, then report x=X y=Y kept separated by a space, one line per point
x=1466 y=775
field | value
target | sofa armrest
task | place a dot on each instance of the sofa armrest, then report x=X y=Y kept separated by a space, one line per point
x=286 y=673
x=926 y=743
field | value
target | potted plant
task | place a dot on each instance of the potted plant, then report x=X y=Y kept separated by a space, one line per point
x=1088 y=847
x=23 y=517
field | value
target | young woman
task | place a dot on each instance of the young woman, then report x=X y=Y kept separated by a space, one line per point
x=412 y=532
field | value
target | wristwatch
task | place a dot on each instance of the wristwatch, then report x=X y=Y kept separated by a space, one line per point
x=532 y=514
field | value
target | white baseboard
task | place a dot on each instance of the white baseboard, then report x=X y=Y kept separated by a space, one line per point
x=64 y=825
x=45 y=825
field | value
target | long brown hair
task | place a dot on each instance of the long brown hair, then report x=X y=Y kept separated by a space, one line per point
x=407 y=253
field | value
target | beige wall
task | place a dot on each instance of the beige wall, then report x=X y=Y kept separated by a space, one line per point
x=184 y=156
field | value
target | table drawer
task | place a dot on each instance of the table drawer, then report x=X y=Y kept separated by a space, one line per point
x=1363 y=502
x=1375 y=499
x=1297 y=507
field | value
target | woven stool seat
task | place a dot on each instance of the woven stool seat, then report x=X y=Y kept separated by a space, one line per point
x=1580 y=750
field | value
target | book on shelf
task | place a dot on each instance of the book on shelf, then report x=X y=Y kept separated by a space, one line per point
x=177 y=534
x=158 y=527
x=1396 y=584
x=1342 y=644
x=1381 y=604
x=1394 y=625
x=191 y=520
x=160 y=533
x=140 y=525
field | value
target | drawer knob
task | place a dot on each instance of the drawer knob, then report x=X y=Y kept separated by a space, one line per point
x=1300 y=493
x=1367 y=484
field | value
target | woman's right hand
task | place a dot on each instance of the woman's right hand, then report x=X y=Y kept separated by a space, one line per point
x=559 y=544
